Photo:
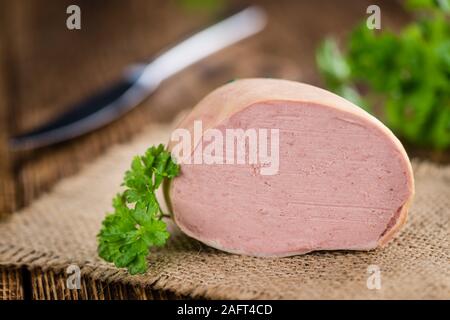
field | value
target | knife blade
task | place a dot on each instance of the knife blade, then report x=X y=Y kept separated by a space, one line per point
x=139 y=81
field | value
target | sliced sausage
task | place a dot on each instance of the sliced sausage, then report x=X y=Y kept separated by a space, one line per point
x=344 y=181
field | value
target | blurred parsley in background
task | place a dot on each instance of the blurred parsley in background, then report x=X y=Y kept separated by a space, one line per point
x=202 y=5
x=407 y=73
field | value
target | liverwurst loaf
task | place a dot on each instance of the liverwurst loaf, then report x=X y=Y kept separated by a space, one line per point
x=342 y=181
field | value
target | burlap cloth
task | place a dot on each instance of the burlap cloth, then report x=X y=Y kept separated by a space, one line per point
x=60 y=228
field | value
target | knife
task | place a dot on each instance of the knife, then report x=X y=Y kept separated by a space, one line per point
x=139 y=81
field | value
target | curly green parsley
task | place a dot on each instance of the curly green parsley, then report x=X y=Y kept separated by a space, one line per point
x=136 y=224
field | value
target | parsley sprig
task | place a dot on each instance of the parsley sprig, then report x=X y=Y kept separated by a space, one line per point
x=136 y=223
x=406 y=72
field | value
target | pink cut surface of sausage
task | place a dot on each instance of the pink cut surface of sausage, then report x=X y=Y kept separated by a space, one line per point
x=344 y=180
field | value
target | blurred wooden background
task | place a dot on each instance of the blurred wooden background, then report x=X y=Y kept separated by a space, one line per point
x=44 y=67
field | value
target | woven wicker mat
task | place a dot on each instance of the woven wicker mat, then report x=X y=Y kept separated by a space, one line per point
x=60 y=228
